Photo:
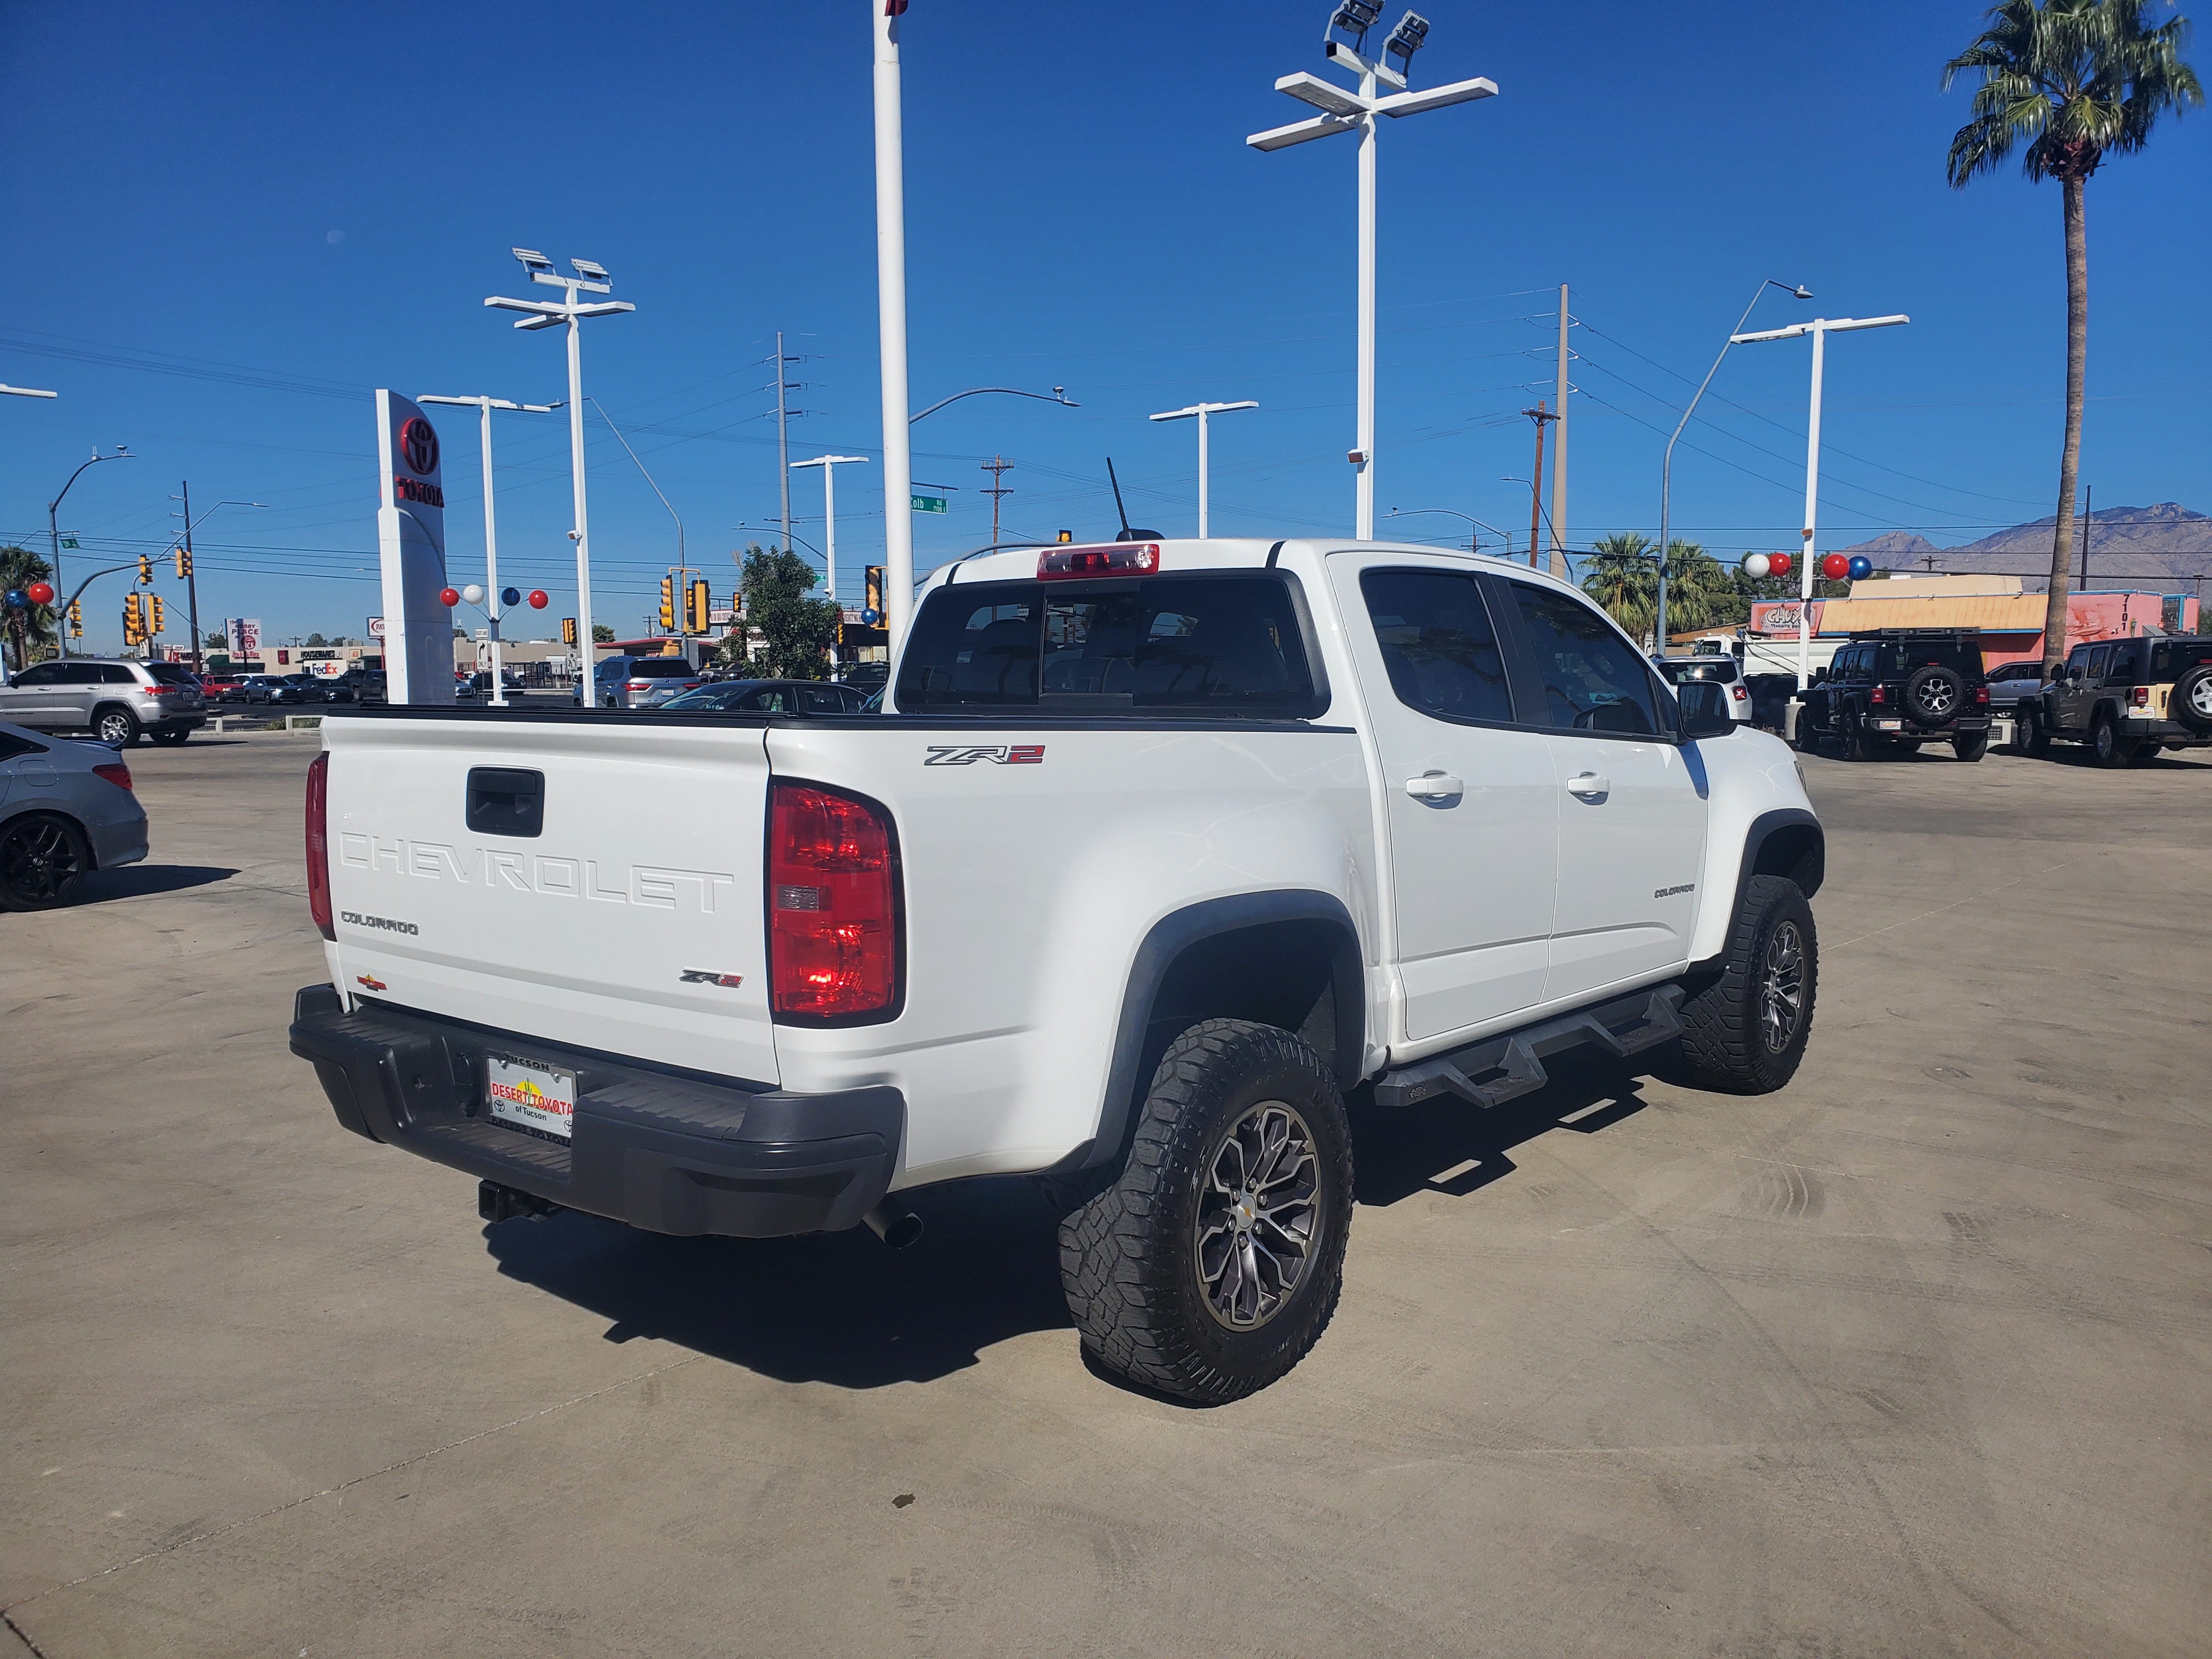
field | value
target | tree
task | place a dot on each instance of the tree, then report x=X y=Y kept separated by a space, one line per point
x=1623 y=577
x=216 y=639
x=34 y=625
x=602 y=634
x=1700 y=594
x=316 y=639
x=2066 y=82
x=796 y=630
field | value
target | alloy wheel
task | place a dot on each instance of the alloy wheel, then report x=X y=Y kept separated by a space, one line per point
x=115 y=730
x=1782 y=988
x=1259 y=1217
x=38 y=862
x=2200 y=698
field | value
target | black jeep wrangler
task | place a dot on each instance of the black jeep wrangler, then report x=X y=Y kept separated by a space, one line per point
x=1898 y=687
x=2126 y=699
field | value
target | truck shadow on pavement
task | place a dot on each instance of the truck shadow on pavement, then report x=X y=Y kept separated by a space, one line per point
x=841 y=1309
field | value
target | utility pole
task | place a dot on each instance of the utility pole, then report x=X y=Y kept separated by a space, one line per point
x=192 y=576
x=998 y=466
x=782 y=442
x=1539 y=415
x=1559 y=454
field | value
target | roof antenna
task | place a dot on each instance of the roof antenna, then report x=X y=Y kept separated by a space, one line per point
x=1127 y=534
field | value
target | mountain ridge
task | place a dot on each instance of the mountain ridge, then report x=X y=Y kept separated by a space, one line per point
x=2128 y=546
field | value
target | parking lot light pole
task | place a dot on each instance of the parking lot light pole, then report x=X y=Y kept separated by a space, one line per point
x=590 y=277
x=53 y=531
x=1453 y=511
x=829 y=463
x=1667 y=464
x=1201 y=410
x=1819 y=328
x=1355 y=112
x=484 y=406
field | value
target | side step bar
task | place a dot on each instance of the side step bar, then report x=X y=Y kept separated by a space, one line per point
x=1502 y=1068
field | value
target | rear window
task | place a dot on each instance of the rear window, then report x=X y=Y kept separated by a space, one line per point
x=1904 y=657
x=171 y=673
x=2171 y=660
x=662 y=668
x=1200 y=644
x=1677 y=670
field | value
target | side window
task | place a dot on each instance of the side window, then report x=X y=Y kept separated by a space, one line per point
x=11 y=747
x=43 y=673
x=115 y=673
x=1593 y=679
x=820 y=700
x=1437 y=643
x=2097 y=657
x=770 y=700
x=2121 y=670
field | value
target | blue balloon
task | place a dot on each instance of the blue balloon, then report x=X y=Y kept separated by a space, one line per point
x=1862 y=566
x=872 y=617
x=18 y=599
x=510 y=596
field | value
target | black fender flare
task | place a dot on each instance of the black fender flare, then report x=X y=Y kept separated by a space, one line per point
x=1167 y=940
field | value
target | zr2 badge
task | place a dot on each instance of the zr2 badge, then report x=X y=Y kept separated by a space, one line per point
x=998 y=754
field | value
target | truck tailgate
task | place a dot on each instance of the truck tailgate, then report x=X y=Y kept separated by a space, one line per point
x=630 y=910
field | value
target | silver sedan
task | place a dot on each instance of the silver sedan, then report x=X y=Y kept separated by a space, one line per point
x=66 y=809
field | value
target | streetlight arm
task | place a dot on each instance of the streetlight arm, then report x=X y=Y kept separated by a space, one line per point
x=54 y=504
x=1459 y=92
x=1056 y=395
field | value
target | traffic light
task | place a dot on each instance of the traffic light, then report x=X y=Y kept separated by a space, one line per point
x=184 y=563
x=695 y=606
x=134 y=628
x=158 y=623
x=568 y=630
x=145 y=571
x=667 y=603
x=872 y=590
x=76 y=620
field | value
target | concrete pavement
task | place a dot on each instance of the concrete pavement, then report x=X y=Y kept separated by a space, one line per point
x=1908 y=1359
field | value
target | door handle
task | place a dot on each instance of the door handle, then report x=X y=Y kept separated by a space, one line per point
x=1589 y=785
x=1434 y=786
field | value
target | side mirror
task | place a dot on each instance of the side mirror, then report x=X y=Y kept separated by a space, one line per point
x=1704 y=710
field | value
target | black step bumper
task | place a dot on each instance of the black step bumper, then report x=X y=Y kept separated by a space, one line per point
x=661 y=1151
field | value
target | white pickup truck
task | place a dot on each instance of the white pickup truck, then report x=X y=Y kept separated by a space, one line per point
x=1161 y=851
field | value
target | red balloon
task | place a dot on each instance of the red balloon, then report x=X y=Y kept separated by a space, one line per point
x=536 y=598
x=449 y=597
x=1777 y=564
x=1836 y=567
x=41 y=592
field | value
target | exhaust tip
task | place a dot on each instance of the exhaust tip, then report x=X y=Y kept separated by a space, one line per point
x=895 y=1224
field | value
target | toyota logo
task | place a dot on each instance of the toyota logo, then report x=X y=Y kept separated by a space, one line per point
x=419 y=444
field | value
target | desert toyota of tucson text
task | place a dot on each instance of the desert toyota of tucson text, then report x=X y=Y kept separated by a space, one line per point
x=1157 y=849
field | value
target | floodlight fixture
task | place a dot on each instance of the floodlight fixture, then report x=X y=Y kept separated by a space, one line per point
x=1406 y=39
x=1355 y=18
x=532 y=260
x=590 y=269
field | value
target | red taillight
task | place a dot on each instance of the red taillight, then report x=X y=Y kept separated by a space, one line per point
x=116 y=773
x=318 y=844
x=1981 y=694
x=1879 y=696
x=2140 y=696
x=1115 y=559
x=833 y=945
x=637 y=685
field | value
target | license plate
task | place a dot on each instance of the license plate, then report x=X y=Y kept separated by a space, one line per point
x=531 y=1096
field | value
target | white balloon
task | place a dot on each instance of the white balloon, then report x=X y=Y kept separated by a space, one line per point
x=473 y=593
x=1756 y=565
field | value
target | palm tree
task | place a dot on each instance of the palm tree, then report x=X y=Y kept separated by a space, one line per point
x=2068 y=81
x=1623 y=577
x=1700 y=594
x=19 y=568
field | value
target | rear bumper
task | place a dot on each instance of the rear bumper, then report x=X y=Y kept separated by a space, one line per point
x=663 y=1151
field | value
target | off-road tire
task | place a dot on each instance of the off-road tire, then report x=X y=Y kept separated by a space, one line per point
x=1727 y=1043
x=2030 y=738
x=2191 y=701
x=1859 y=744
x=1935 y=695
x=1970 y=745
x=116 y=728
x=1129 y=1259
x=1808 y=736
x=44 y=859
x=2107 y=748
x=169 y=739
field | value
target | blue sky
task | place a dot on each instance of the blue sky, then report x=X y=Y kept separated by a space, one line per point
x=295 y=205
